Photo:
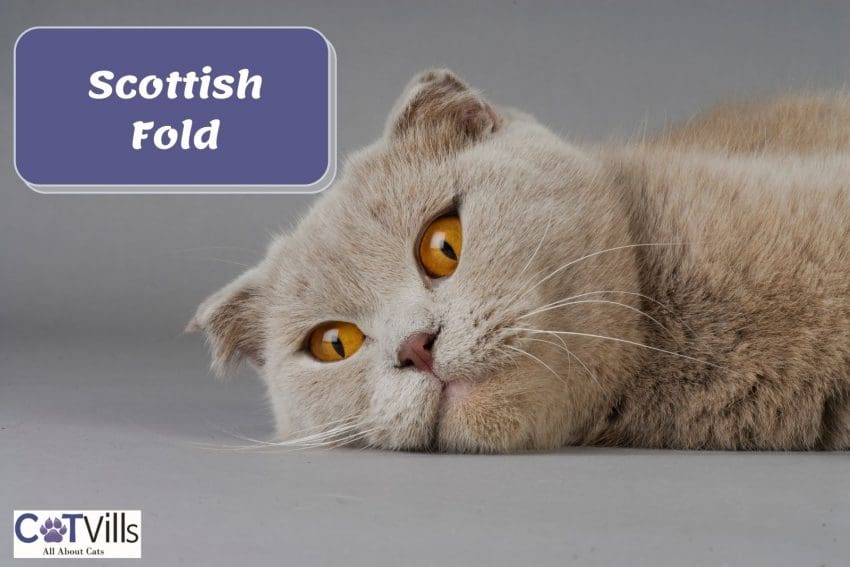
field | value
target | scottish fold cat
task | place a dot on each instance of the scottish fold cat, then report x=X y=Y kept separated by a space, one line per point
x=474 y=283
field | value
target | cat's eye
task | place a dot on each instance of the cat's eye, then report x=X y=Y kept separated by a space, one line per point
x=335 y=340
x=439 y=248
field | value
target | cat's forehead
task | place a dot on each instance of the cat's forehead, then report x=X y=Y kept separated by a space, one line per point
x=394 y=187
x=358 y=241
x=383 y=197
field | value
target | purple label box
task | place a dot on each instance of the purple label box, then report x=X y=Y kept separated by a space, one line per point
x=175 y=110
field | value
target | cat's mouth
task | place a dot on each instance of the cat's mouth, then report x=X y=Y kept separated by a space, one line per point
x=452 y=390
x=452 y=393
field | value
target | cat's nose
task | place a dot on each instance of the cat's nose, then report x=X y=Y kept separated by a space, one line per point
x=415 y=350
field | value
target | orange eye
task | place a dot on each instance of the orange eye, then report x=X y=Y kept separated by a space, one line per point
x=335 y=340
x=439 y=249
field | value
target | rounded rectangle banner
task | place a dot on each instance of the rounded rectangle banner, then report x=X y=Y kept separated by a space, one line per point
x=175 y=110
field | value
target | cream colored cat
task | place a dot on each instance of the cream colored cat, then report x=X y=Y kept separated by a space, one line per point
x=474 y=283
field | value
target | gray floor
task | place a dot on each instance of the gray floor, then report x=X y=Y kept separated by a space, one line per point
x=93 y=424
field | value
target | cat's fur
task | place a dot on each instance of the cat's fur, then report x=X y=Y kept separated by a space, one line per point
x=717 y=254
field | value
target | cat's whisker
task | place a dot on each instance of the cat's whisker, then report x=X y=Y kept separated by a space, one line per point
x=603 y=302
x=616 y=339
x=323 y=435
x=352 y=419
x=512 y=358
x=532 y=284
x=528 y=354
x=338 y=442
x=578 y=359
x=338 y=438
x=260 y=445
x=536 y=250
x=326 y=428
x=653 y=300
x=563 y=348
x=356 y=437
x=570 y=356
x=610 y=291
x=592 y=255
x=306 y=440
x=587 y=369
x=363 y=435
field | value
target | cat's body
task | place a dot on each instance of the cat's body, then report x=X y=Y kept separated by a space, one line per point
x=760 y=196
x=691 y=291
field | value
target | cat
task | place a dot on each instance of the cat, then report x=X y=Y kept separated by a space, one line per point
x=473 y=283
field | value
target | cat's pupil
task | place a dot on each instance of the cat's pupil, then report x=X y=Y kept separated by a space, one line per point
x=337 y=346
x=447 y=249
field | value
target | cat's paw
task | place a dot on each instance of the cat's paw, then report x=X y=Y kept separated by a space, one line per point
x=52 y=530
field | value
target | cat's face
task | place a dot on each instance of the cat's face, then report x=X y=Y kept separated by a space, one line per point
x=395 y=315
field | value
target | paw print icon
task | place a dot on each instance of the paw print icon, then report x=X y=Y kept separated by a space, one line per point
x=53 y=530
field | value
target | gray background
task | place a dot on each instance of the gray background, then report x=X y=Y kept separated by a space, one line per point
x=103 y=404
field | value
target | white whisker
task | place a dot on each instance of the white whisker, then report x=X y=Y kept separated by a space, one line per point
x=571 y=356
x=664 y=306
x=346 y=427
x=588 y=256
x=536 y=250
x=324 y=426
x=619 y=340
x=338 y=439
x=604 y=302
x=528 y=354
x=338 y=442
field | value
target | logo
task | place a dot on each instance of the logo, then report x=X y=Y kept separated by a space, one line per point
x=88 y=534
x=53 y=530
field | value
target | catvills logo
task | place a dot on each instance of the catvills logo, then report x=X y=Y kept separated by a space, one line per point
x=86 y=534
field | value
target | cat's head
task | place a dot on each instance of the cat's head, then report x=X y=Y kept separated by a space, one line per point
x=406 y=310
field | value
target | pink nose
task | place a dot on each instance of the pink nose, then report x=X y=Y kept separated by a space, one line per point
x=415 y=350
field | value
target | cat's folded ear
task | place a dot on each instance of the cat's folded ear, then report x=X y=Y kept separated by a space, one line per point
x=233 y=323
x=439 y=113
